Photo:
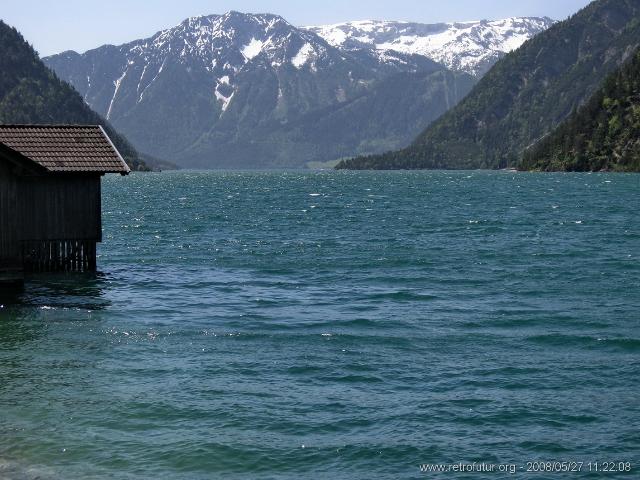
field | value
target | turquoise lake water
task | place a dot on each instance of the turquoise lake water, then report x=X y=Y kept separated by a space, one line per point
x=333 y=325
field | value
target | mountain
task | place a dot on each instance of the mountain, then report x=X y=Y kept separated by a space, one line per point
x=251 y=90
x=31 y=93
x=244 y=90
x=604 y=134
x=526 y=94
x=471 y=47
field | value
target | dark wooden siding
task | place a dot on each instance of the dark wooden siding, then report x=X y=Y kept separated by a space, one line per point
x=48 y=222
x=60 y=207
x=9 y=227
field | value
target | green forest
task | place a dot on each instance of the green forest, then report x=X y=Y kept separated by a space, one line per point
x=604 y=134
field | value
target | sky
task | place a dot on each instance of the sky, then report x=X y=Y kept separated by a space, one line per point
x=53 y=26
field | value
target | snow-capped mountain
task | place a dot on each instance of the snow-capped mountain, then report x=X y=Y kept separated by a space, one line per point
x=471 y=47
x=253 y=90
x=221 y=48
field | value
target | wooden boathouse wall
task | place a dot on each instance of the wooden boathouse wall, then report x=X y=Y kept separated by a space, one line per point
x=61 y=222
x=53 y=221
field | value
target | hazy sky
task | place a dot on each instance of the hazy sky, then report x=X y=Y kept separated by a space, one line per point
x=53 y=26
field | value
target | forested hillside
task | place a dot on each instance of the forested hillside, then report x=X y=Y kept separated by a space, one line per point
x=602 y=135
x=526 y=95
x=31 y=93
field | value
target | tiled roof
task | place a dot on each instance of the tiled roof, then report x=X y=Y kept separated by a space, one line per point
x=65 y=148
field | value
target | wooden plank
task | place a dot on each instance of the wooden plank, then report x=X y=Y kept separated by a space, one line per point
x=59 y=207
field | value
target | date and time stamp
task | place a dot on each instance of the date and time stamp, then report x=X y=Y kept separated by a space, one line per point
x=604 y=467
x=531 y=467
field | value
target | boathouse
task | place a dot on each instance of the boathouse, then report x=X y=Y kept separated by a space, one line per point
x=50 y=199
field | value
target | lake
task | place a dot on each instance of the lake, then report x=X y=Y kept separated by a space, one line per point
x=347 y=325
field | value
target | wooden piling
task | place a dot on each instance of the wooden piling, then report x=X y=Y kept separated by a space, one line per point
x=59 y=256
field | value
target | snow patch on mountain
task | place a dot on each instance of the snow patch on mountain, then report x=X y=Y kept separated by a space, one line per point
x=252 y=49
x=303 y=56
x=116 y=85
x=225 y=101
